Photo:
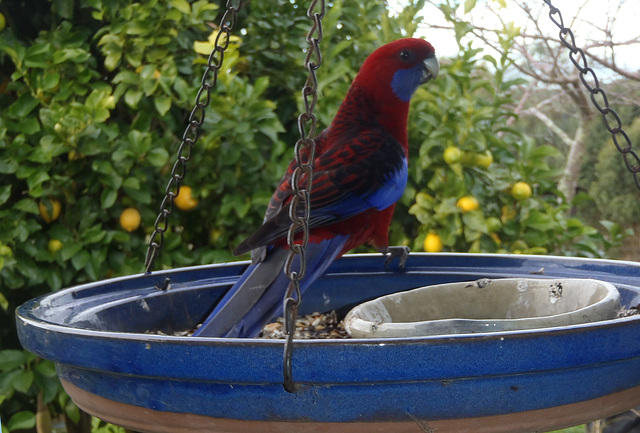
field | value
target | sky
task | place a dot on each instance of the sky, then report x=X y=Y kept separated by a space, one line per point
x=626 y=25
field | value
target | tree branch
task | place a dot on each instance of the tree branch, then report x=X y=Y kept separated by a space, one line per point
x=549 y=123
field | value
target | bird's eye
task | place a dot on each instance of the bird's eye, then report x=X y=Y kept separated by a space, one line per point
x=406 y=55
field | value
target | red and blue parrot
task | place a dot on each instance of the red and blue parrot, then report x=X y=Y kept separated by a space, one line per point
x=359 y=172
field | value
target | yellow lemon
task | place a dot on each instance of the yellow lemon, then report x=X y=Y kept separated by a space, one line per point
x=54 y=245
x=130 y=219
x=521 y=191
x=452 y=155
x=55 y=207
x=3 y=22
x=484 y=160
x=432 y=243
x=468 y=203
x=184 y=200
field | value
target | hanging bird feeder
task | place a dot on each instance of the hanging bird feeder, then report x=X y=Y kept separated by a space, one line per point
x=118 y=357
x=122 y=351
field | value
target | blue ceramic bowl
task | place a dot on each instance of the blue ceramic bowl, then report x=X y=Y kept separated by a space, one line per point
x=98 y=336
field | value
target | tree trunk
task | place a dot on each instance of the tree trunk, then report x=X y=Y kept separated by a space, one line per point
x=568 y=184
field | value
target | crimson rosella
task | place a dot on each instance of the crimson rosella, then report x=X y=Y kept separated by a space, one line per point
x=360 y=171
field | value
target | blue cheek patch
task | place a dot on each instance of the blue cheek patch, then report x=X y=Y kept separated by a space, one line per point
x=405 y=82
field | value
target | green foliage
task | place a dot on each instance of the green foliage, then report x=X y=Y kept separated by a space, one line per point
x=93 y=100
x=466 y=109
x=616 y=199
x=99 y=426
x=23 y=377
x=576 y=429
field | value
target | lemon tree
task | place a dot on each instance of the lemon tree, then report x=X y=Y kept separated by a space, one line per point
x=477 y=182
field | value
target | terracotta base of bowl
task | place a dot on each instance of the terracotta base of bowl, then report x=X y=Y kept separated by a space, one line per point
x=150 y=421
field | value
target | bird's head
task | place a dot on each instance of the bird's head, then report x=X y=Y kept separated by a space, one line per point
x=396 y=69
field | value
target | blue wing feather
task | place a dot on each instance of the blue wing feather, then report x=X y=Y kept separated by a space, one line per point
x=243 y=314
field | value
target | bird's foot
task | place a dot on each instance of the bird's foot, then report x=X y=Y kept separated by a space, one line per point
x=390 y=253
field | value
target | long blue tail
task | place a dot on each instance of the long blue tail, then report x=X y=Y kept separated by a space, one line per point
x=256 y=298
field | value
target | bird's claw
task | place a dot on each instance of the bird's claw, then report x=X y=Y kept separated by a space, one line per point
x=401 y=252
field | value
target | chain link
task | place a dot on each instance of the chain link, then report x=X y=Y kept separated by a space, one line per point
x=191 y=133
x=301 y=181
x=598 y=96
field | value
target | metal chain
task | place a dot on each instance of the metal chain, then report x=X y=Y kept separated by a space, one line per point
x=301 y=181
x=609 y=116
x=191 y=133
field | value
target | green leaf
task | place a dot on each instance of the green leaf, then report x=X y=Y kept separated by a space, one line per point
x=28 y=126
x=64 y=8
x=447 y=207
x=54 y=280
x=182 y=5
x=9 y=166
x=4 y=302
x=70 y=249
x=36 y=178
x=93 y=235
x=22 y=421
x=5 y=193
x=50 y=81
x=475 y=221
x=6 y=380
x=24 y=105
x=103 y=167
x=23 y=381
x=46 y=368
x=49 y=385
x=162 y=104
x=539 y=221
x=60 y=232
x=157 y=156
x=28 y=205
x=131 y=182
x=80 y=260
x=132 y=97
x=138 y=28
x=38 y=55
x=511 y=29
x=72 y=412
x=75 y=55
x=108 y=198
x=469 y=5
x=112 y=59
x=10 y=359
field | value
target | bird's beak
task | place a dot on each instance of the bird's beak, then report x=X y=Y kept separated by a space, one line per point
x=430 y=70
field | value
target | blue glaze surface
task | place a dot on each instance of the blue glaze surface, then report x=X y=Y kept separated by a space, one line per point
x=95 y=334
